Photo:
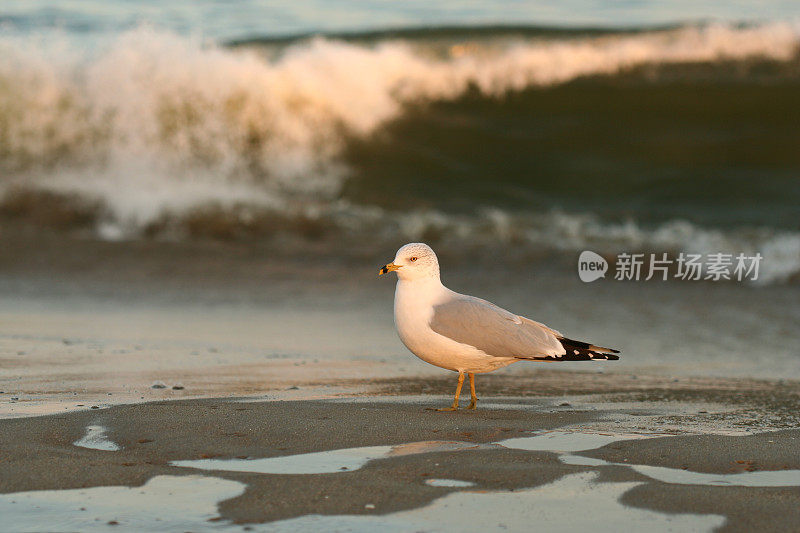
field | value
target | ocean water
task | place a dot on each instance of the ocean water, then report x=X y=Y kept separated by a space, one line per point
x=238 y=19
x=667 y=126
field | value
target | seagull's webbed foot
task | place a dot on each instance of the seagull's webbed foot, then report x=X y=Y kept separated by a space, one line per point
x=451 y=408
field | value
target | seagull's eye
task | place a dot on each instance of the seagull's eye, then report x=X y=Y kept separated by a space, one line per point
x=412 y=259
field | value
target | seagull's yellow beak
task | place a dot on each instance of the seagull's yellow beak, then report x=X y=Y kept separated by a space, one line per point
x=391 y=267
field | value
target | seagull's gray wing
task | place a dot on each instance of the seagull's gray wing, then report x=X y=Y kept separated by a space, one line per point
x=494 y=330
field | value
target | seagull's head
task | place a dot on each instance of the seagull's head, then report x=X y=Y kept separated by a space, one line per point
x=415 y=260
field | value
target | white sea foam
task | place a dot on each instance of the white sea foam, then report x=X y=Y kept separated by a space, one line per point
x=780 y=250
x=163 y=115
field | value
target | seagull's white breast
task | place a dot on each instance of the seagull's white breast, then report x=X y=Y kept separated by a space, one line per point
x=413 y=308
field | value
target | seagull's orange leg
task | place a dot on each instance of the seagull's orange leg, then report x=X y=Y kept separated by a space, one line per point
x=474 y=401
x=458 y=393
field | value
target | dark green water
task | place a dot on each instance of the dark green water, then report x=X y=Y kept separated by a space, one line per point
x=714 y=145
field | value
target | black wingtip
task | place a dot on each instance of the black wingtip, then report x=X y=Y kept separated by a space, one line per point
x=572 y=343
x=583 y=351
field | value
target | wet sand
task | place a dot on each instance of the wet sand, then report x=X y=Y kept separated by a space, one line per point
x=48 y=454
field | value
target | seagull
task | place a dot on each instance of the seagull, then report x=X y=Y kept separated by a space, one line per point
x=464 y=333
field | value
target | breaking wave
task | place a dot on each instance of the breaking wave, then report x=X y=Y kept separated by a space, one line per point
x=153 y=129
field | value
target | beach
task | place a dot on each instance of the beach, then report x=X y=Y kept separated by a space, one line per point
x=215 y=361
x=195 y=201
